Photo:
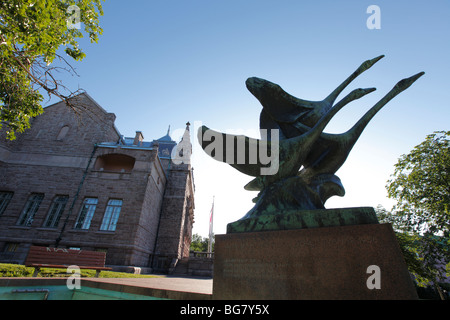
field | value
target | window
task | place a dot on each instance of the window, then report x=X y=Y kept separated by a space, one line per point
x=55 y=212
x=86 y=213
x=4 y=200
x=11 y=247
x=9 y=251
x=31 y=207
x=62 y=133
x=115 y=162
x=111 y=215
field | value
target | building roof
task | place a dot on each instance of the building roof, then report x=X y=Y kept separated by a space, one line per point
x=166 y=138
x=165 y=144
x=75 y=99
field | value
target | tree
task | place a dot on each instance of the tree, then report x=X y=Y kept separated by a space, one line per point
x=31 y=32
x=200 y=244
x=425 y=255
x=421 y=186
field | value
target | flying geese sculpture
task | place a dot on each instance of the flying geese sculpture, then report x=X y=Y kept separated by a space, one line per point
x=306 y=158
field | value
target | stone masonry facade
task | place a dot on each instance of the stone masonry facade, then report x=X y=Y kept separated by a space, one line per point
x=73 y=181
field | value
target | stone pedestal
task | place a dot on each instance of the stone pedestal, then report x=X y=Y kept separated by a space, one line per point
x=345 y=262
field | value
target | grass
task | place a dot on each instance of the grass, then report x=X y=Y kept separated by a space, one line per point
x=17 y=270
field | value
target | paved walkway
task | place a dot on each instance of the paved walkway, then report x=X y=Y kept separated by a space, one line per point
x=170 y=283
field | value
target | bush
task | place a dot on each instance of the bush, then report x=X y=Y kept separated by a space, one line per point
x=17 y=270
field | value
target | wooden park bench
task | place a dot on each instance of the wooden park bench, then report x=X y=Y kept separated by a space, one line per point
x=44 y=257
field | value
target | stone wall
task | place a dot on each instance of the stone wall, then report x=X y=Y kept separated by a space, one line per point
x=175 y=230
x=198 y=266
x=41 y=160
x=51 y=158
x=87 y=125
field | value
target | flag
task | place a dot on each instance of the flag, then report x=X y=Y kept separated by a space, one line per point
x=211 y=218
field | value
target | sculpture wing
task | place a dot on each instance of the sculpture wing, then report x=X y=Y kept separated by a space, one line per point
x=279 y=104
x=239 y=151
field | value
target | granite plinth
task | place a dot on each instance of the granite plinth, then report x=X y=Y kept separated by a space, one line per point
x=349 y=262
x=305 y=219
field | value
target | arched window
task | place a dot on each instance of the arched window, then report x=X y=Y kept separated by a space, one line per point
x=62 y=133
x=115 y=162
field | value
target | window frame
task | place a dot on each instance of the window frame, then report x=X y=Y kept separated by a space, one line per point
x=56 y=211
x=62 y=133
x=111 y=215
x=5 y=198
x=86 y=214
x=30 y=209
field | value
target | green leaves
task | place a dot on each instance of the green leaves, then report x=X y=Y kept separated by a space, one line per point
x=199 y=244
x=31 y=32
x=75 y=53
x=421 y=185
x=427 y=256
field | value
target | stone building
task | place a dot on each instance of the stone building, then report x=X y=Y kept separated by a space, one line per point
x=73 y=181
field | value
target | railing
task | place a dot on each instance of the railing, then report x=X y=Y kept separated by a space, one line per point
x=200 y=254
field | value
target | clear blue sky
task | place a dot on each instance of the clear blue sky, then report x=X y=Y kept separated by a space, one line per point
x=161 y=63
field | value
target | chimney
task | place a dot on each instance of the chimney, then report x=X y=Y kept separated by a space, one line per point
x=138 y=138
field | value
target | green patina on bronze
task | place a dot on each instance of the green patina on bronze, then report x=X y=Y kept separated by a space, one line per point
x=305 y=219
x=308 y=158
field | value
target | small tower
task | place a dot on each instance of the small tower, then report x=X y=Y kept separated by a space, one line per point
x=182 y=153
x=165 y=148
x=177 y=214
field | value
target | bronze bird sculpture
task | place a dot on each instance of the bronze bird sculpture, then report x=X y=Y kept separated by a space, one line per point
x=306 y=157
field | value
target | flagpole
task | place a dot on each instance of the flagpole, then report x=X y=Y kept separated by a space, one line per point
x=211 y=217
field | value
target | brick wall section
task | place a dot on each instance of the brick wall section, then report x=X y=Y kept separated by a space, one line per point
x=88 y=125
x=38 y=162
x=131 y=242
x=24 y=180
x=175 y=230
